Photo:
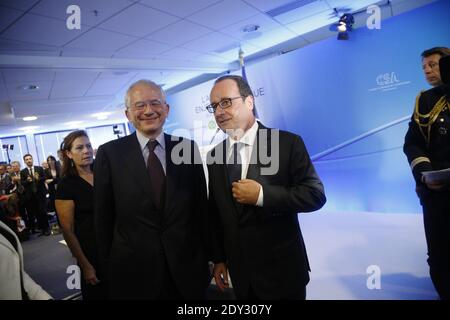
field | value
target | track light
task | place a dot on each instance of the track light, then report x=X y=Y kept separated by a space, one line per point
x=344 y=26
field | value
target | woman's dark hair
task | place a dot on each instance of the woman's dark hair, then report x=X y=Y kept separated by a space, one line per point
x=57 y=166
x=68 y=167
x=12 y=205
x=51 y=158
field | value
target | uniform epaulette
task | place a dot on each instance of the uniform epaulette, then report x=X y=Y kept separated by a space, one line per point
x=426 y=120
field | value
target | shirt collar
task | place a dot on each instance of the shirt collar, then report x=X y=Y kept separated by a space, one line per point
x=143 y=140
x=249 y=136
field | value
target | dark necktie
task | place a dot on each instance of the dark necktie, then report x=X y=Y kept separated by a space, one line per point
x=157 y=176
x=234 y=165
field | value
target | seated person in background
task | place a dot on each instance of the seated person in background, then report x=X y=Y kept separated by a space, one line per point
x=15 y=283
x=10 y=204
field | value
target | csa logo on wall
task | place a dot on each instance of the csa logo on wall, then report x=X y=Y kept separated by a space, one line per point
x=388 y=81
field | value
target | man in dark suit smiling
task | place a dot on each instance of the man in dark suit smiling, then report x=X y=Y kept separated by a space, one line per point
x=150 y=209
x=259 y=179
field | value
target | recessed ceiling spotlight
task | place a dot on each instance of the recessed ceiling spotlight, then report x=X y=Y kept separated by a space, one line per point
x=30 y=87
x=30 y=118
x=250 y=28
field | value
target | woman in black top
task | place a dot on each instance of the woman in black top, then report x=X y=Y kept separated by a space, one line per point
x=75 y=208
x=52 y=175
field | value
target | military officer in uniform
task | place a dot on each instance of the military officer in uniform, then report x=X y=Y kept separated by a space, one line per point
x=427 y=147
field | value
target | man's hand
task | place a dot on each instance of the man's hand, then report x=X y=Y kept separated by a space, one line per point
x=246 y=191
x=90 y=275
x=220 y=273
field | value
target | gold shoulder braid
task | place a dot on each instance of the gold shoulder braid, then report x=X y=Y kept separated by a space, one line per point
x=427 y=120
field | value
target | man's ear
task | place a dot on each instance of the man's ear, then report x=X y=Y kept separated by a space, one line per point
x=168 y=109
x=250 y=102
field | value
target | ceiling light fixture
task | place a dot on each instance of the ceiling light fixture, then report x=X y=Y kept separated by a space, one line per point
x=30 y=87
x=30 y=118
x=345 y=26
x=250 y=28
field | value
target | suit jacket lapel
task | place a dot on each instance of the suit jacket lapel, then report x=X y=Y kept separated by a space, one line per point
x=260 y=146
x=172 y=173
x=219 y=175
x=237 y=207
x=253 y=172
x=135 y=163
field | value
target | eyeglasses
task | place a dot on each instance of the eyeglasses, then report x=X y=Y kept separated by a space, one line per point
x=224 y=103
x=154 y=103
x=432 y=65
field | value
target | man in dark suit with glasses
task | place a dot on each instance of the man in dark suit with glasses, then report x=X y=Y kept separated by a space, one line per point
x=259 y=179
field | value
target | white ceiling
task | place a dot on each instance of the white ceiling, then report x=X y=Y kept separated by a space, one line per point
x=82 y=72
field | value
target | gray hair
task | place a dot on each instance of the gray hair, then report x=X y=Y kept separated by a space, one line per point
x=146 y=82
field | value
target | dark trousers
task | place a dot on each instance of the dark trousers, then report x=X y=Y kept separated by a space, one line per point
x=436 y=216
x=35 y=208
x=300 y=294
x=169 y=290
x=94 y=292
